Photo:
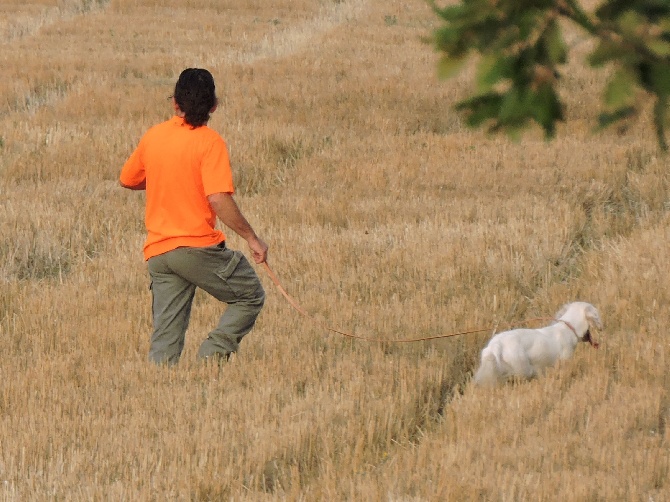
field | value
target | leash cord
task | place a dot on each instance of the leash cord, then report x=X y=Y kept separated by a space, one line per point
x=305 y=314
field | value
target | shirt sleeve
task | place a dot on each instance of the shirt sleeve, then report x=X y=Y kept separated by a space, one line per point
x=133 y=172
x=217 y=176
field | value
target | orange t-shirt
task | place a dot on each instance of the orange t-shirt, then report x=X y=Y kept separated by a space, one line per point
x=181 y=167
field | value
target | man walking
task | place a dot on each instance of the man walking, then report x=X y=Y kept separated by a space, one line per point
x=184 y=167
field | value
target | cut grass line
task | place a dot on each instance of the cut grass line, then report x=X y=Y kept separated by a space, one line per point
x=287 y=42
x=26 y=25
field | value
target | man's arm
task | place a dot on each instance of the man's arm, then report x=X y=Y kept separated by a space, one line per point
x=229 y=213
x=133 y=175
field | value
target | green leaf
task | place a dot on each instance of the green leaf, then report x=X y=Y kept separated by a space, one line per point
x=605 y=52
x=527 y=21
x=631 y=23
x=660 y=77
x=556 y=48
x=491 y=69
x=659 y=47
x=450 y=66
x=547 y=109
x=480 y=108
x=606 y=119
x=660 y=120
x=446 y=39
x=620 y=90
x=514 y=106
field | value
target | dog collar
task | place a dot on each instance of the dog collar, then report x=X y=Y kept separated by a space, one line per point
x=572 y=328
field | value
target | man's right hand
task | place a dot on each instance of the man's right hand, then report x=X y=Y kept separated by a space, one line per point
x=259 y=249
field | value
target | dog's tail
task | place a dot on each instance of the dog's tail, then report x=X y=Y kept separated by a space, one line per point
x=488 y=374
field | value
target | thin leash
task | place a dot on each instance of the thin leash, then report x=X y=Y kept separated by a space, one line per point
x=306 y=314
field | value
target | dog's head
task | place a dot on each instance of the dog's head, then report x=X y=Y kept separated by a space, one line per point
x=581 y=317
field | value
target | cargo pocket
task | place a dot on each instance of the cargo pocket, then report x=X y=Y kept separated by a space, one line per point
x=227 y=270
x=239 y=277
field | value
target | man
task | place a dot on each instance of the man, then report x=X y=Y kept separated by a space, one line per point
x=184 y=167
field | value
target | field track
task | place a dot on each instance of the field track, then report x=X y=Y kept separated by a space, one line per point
x=385 y=216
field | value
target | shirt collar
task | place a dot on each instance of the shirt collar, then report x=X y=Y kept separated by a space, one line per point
x=176 y=120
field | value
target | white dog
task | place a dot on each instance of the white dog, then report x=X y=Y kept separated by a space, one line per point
x=526 y=352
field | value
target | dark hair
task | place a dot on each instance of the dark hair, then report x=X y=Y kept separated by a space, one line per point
x=195 y=95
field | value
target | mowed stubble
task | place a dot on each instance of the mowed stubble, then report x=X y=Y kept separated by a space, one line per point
x=386 y=217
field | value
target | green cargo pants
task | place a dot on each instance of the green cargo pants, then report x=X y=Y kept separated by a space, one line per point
x=223 y=273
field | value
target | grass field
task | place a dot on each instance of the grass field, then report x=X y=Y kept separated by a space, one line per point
x=385 y=216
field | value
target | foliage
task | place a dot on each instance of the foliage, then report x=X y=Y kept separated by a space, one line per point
x=522 y=49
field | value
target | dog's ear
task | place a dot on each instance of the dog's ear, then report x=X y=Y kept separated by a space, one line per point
x=593 y=317
x=561 y=312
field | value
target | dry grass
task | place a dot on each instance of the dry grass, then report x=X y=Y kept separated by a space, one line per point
x=385 y=217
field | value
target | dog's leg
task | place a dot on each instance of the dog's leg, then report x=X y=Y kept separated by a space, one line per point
x=520 y=366
x=487 y=374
